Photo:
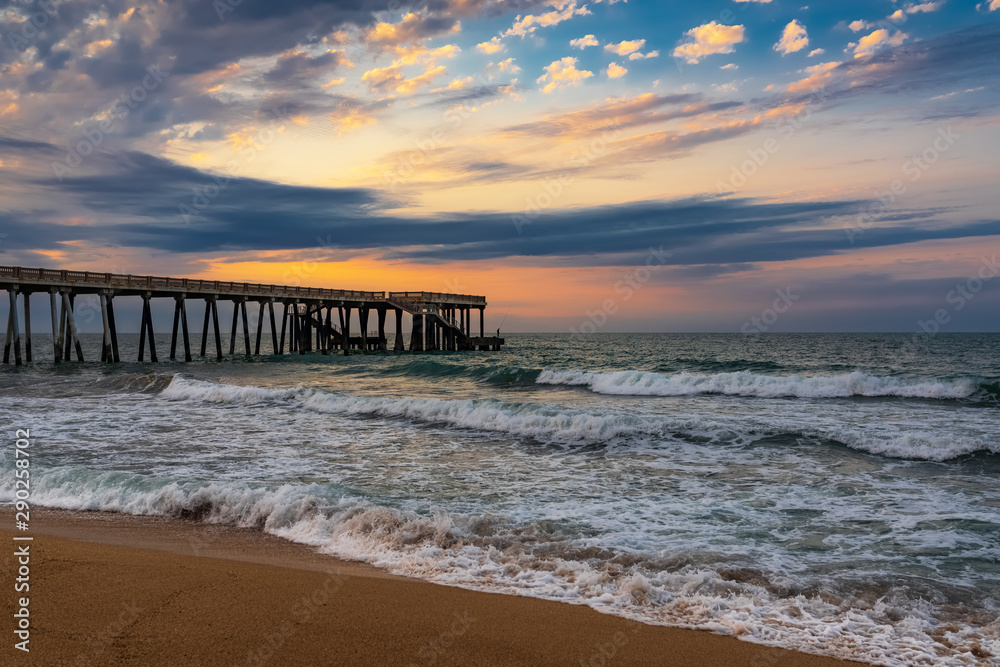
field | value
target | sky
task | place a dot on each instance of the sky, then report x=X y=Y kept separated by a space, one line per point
x=588 y=165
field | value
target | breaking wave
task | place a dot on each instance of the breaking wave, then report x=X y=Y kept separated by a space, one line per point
x=549 y=559
x=641 y=383
x=571 y=426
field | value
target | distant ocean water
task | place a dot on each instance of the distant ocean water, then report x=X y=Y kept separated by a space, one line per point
x=838 y=494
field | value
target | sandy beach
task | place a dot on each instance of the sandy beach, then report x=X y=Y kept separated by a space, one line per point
x=110 y=589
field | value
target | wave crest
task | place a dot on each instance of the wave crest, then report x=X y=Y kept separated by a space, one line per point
x=742 y=383
x=561 y=425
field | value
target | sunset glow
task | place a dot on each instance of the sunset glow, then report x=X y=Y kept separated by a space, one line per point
x=535 y=155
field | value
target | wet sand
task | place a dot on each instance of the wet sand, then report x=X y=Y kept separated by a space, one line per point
x=110 y=589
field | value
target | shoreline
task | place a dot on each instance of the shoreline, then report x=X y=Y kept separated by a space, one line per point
x=110 y=588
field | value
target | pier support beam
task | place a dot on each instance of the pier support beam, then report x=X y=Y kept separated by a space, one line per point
x=400 y=345
x=302 y=324
x=260 y=327
x=381 y=329
x=74 y=337
x=240 y=308
x=417 y=333
x=110 y=299
x=274 y=331
x=345 y=328
x=215 y=325
x=62 y=350
x=204 y=327
x=27 y=327
x=246 y=327
x=284 y=323
x=302 y=340
x=145 y=328
x=173 y=331
x=329 y=330
x=184 y=329
x=211 y=311
x=13 y=333
x=56 y=339
x=180 y=316
x=107 y=356
x=363 y=316
x=317 y=325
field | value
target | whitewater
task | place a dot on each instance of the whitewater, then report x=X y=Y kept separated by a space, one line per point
x=830 y=494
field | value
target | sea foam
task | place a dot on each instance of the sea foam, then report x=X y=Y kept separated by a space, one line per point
x=494 y=553
x=640 y=383
x=570 y=426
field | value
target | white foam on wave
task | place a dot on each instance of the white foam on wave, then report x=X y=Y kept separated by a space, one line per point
x=563 y=425
x=742 y=383
x=551 y=424
x=495 y=554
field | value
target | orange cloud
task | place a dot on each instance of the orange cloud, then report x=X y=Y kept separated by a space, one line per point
x=709 y=39
x=412 y=28
x=818 y=76
x=590 y=40
x=561 y=74
x=793 y=38
x=616 y=71
x=626 y=47
x=490 y=47
x=872 y=42
x=526 y=25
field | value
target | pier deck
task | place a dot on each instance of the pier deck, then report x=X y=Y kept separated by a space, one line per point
x=439 y=321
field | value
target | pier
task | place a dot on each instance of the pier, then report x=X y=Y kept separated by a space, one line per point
x=308 y=319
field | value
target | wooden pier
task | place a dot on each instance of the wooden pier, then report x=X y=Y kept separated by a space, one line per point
x=311 y=319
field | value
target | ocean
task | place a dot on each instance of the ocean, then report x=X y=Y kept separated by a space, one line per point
x=831 y=493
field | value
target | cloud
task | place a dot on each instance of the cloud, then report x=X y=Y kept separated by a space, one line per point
x=858 y=26
x=730 y=66
x=793 y=38
x=709 y=39
x=818 y=77
x=561 y=74
x=349 y=116
x=418 y=53
x=616 y=71
x=492 y=46
x=816 y=52
x=526 y=25
x=631 y=48
x=457 y=84
x=391 y=78
x=412 y=28
x=763 y=2
x=989 y=6
x=626 y=47
x=876 y=40
x=620 y=113
x=964 y=59
x=301 y=69
x=131 y=200
x=590 y=40
x=508 y=65
x=926 y=7
x=899 y=16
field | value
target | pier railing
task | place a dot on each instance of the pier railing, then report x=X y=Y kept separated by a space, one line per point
x=437 y=297
x=122 y=281
x=137 y=282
